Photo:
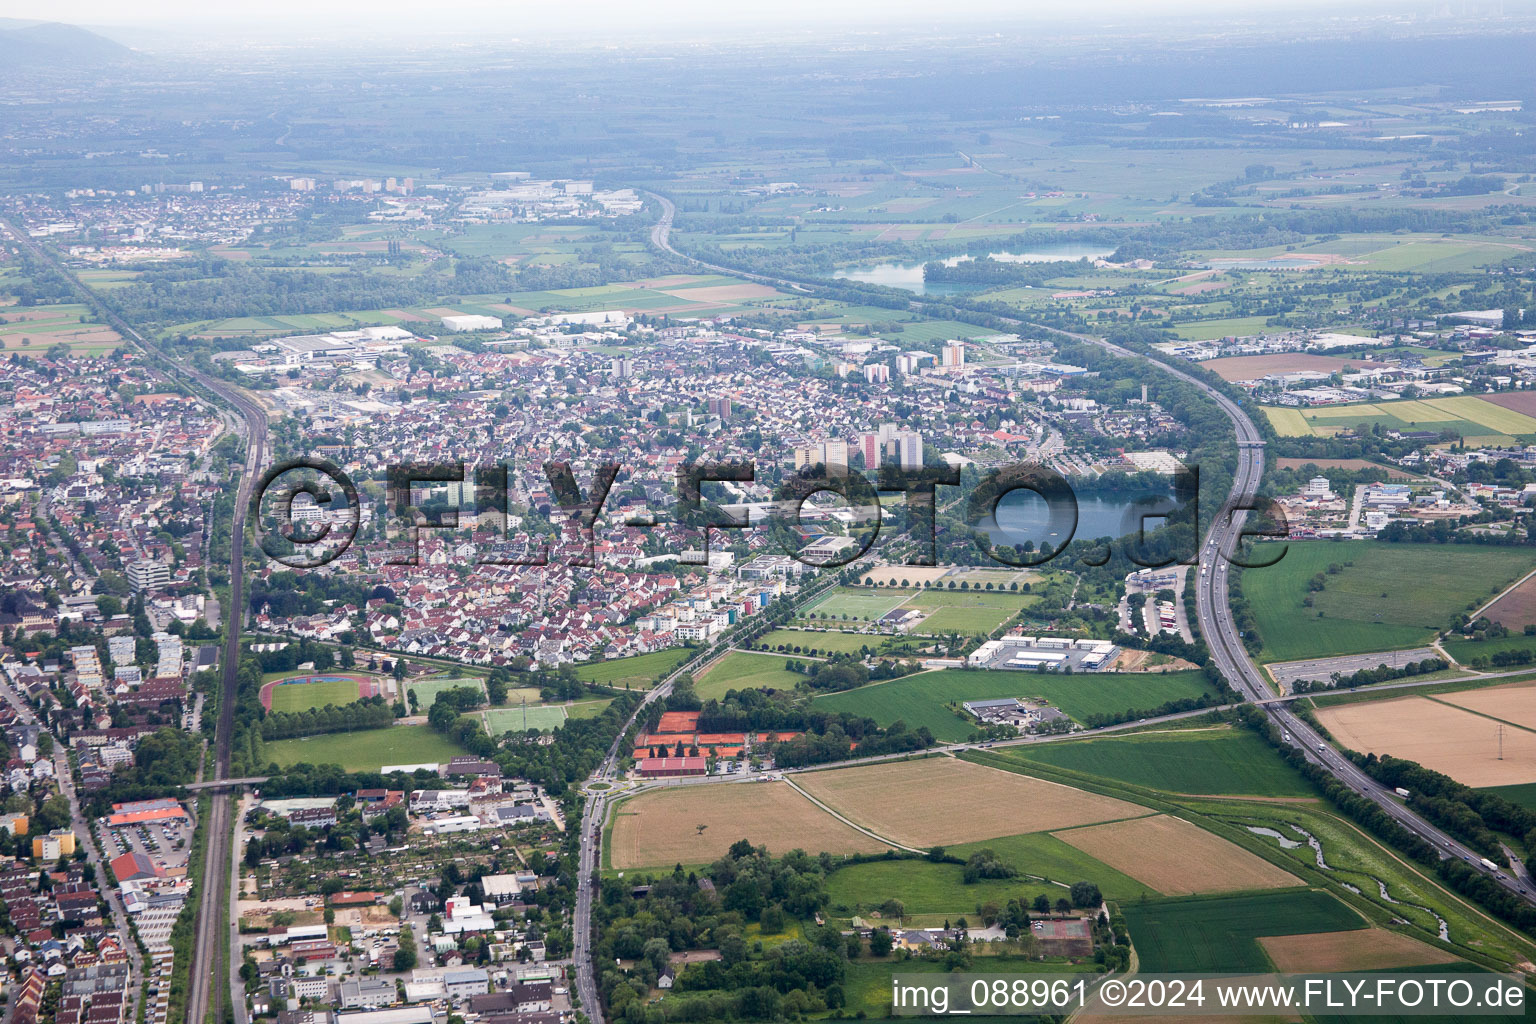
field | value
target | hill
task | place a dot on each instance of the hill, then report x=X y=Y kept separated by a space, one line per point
x=53 y=44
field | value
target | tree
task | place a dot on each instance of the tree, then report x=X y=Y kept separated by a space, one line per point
x=1042 y=904
x=1086 y=894
x=880 y=942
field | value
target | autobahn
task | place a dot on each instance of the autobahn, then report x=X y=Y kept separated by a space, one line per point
x=210 y=973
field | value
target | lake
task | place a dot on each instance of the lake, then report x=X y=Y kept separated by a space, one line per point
x=1023 y=515
x=909 y=276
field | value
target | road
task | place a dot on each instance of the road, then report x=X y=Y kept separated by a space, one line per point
x=208 y=956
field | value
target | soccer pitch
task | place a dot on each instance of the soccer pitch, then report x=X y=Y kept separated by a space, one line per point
x=542 y=717
x=426 y=690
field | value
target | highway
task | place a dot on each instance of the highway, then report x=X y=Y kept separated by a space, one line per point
x=211 y=977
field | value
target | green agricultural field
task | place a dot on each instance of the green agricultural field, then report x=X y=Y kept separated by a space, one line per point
x=1467 y=415
x=543 y=717
x=365 y=751
x=925 y=698
x=740 y=670
x=1043 y=855
x=426 y=690
x=1206 y=761
x=924 y=888
x=867 y=985
x=1219 y=934
x=1465 y=650
x=1523 y=794
x=639 y=672
x=303 y=696
x=810 y=642
x=1385 y=596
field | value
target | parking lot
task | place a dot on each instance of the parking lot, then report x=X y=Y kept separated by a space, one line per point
x=166 y=843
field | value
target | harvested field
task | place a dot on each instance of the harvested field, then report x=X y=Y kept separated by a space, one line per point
x=405 y=316
x=1393 y=473
x=660 y=828
x=1515 y=703
x=1459 y=743
x=1374 y=949
x=1516 y=607
x=943 y=800
x=1519 y=401
x=724 y=293
x=1251 y=367
x=1175 y=857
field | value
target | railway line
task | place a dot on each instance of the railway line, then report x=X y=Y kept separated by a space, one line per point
x=210 y=970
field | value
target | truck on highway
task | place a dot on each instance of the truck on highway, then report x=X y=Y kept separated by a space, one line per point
x=1400 y=791
x=1490 y=865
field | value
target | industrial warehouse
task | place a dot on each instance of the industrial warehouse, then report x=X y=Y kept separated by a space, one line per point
x=1044 y=654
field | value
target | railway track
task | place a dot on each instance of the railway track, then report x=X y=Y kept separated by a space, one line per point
x=211 y=971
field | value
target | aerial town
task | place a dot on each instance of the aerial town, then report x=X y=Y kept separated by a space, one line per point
x=664 y=550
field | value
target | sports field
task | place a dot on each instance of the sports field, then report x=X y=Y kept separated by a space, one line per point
x=1204 y=761
x=543 y=717
x=1221 y=933
x=968 y=612
x=639 y=672
x=1176 y=857
x=661 y=828
x=934 y=698
x=303 y=692
x=426 y=690
x=741 y=670
x=365 y=751
x=1384 y=596
x=306 y=692
x=858 y=603
x=1438 y=735
x=1468 y=415
x=941 y=800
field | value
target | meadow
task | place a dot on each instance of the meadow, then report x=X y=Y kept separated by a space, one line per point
x=924 y=888
x=365 y=751
x=801 y=641
x=934 y=698
x=1386 y=596
x=638 y=672
x=1043 y=855
x=1221 y=933
x=1205 y=761
x=740 y=670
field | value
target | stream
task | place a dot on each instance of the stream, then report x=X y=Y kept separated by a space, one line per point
x=1317 y=851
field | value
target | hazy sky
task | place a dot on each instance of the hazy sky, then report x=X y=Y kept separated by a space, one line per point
x=514 y=16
